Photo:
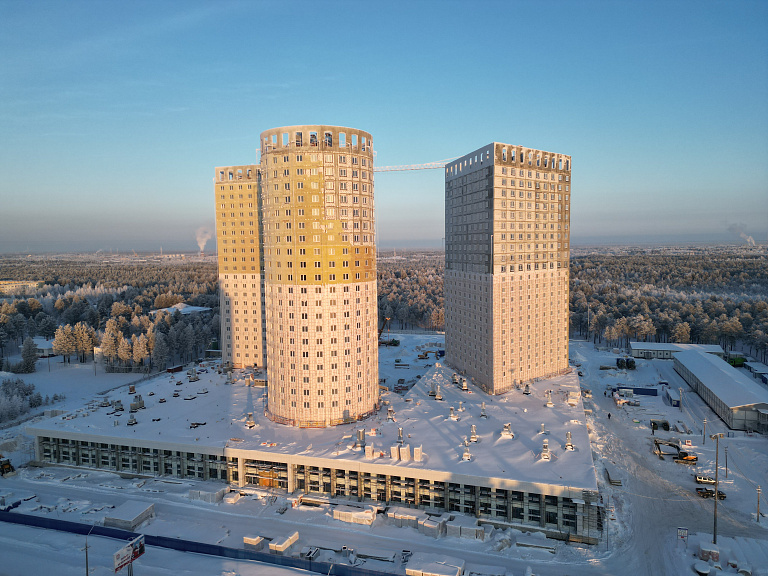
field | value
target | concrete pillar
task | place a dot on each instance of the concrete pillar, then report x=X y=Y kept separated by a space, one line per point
x=240 y=472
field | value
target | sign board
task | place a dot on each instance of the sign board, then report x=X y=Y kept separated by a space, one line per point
x=128 y=553
x=682 y=534
x=688 y=443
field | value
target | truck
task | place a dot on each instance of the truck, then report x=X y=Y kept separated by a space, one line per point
x=5 y=466
x=709 y=493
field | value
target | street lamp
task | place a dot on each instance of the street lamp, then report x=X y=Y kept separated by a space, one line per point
x=716 y=438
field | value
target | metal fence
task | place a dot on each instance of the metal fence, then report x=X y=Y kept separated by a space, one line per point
x=189 y=545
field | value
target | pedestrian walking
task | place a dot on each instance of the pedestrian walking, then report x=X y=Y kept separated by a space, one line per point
x=609 y=415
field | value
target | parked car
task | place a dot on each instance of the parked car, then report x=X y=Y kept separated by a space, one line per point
x=704 y=480
x=709 y=493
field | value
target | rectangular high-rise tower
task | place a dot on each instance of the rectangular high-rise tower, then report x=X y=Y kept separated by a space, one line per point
x=507 y=238
x=241 y=291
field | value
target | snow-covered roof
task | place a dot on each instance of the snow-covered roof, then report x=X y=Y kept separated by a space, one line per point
x=756 y=367
x=183 y=308
x=504 y=462
x=675 y=347
x=42 y=343
x=129 y=510
x=731 y=386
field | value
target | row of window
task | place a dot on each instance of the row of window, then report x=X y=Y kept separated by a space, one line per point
x=298 y=140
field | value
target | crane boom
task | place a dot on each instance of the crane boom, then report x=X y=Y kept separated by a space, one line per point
x=427 y=166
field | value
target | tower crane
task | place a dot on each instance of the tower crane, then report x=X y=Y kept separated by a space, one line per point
x=427 y=166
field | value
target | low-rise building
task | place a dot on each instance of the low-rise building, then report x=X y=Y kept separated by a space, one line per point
x=666 y=350
x=511 y=460
x=734 y=396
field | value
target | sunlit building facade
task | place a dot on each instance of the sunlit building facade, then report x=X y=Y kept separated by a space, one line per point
x=319 y=257
x=238 y=237
x=507 y=247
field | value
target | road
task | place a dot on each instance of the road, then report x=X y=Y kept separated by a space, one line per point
x=650 y=507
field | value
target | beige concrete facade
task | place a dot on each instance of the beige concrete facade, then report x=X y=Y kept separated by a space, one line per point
x=238 y=237
x=319 y=274
x=507 y=240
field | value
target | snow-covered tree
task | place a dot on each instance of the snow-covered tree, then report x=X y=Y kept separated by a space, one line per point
x=160 y=354
x=124 y=350
x=109 y=341
x=47 y=327
x=85 y=337
x=682 y=333
x=28 y=355
x=140 y=351
x=64 y=341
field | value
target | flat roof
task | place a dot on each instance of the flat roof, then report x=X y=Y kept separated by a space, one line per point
x=756 y=367
x=675 y=347
x=425 y=422
x=731 y=386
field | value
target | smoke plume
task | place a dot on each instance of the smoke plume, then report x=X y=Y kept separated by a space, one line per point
x=203 y=234
x=738 y=230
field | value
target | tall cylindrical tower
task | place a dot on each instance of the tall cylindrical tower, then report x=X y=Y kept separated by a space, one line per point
x=319 y=274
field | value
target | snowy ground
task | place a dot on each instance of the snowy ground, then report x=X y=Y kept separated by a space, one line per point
x=655 y=499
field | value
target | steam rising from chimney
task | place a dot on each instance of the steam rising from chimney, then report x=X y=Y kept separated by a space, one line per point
x=202 y=235
x=738 y=229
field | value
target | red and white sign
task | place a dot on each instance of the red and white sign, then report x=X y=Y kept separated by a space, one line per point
x=128 y=553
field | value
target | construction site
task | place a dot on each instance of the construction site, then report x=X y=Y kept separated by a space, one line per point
x=440 y=445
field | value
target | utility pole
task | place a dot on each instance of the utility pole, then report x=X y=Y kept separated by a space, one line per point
x=681 y=399
x=758 y=504
x=704 y=434
x=726 y=462
x=716 y=438
x=86 y=549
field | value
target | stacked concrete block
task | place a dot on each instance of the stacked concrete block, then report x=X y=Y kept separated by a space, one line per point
x=464 y=527
x=426 y=564
x=432 y=526
x=207 y=495
x=282 y=545
x=354 y=515
x=254 y=543
x=406 y=517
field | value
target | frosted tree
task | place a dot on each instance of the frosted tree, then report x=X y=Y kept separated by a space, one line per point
x=120 y=309
x=681 y=333
x=84 y=340
x=31 y=327
x=124 y=350
x=160 y=353
x=47 y=327
x=64 y=341
x=109 y=341
x=3 y=341
x=28 y=355
x=187 y=341
x=172 y=339
x=140 y=351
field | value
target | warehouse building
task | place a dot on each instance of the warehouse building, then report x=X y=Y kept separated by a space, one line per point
x=666 y=350
x=739 y=401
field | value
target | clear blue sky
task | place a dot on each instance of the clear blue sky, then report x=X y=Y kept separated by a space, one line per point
x=113 y=115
